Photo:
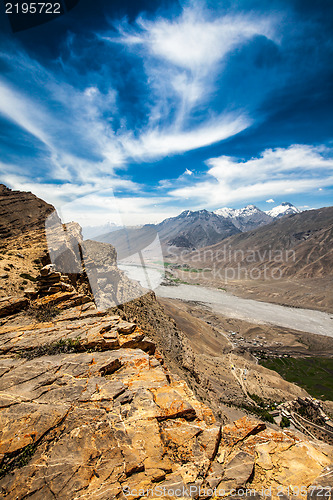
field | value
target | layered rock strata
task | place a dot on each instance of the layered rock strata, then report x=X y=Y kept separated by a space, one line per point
x=88 y=409
x=50 y=281
x=109 y=285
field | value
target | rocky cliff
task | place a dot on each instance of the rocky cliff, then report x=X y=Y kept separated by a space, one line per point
x=27 y=224
x=21 y=212
x=89 y=408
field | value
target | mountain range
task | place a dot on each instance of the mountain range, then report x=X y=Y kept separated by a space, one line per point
x=251 y=217
x=300 y=244
x=196 y=229
x=189 y=230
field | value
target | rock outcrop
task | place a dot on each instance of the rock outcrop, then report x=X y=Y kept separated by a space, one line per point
x=89 y=409
x=31 y=236
x=109 y=285
x=21 y=212
x=11 y=305
x=90 y=329
x=50 y=281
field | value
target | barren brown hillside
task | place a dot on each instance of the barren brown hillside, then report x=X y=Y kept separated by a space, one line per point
x=289 y=261
x=307 y=236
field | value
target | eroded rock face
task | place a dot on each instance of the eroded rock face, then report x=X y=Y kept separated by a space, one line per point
x=280 y=459
x=21 y=212
x=10 y=305
x=85 y=331
x=111 y=420
x=32 y=235
x=99 y=423
x=109 y=285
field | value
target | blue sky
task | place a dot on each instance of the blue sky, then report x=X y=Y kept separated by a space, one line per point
x=149 y=108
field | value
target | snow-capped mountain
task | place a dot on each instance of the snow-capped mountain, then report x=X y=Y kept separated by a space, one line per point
x=226 y=212
x=188 y=230
x=285 y=208
x=238 y=212
x=245 y=219
x=195 y=229
x=251 y=217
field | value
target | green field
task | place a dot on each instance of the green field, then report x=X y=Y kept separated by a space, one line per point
x=314 y=374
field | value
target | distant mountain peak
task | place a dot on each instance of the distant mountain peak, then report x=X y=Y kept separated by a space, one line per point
x=246 y=211
x=285 y=208
x=255 y=215
x=193 y=214
x=246 y=218
x=237 y=212
x=195 y=229
x=225 y=212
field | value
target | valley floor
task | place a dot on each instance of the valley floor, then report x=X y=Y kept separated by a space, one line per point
x=231 y=355
x=221 y=302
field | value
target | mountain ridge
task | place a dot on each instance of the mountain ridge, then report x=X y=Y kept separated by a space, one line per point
x=285 y=208
x=308 y=236
x=193 y=229
x=245 y=218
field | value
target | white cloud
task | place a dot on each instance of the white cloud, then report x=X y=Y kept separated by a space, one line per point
x=156 y=143
x=94 y=204
x=102 y=207
x=22 y=111
x=68 y=192
x=270 y=201
x=188 y=172
x=297 y=169
x=194 y=40
x=85 y=127
x=182 y=59
x=89 y=126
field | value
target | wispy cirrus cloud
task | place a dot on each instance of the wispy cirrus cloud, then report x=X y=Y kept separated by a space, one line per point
x=281 y=171
x=197 y=39
x=157 y=143
x=80 y=132
x=183 y=56
x=21 y=110
x=72 y=142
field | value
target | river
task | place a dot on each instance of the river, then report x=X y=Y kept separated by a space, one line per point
x=221 y=302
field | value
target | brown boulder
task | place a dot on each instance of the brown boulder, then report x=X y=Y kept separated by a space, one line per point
x=11 y=305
